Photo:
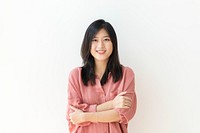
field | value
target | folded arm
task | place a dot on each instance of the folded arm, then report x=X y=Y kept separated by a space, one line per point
x=78 y=116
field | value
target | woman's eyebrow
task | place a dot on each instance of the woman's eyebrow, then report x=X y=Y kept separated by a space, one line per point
x=99 y=37
x=106 y=36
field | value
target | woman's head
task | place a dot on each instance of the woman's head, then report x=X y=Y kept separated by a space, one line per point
x=98 y=34
x=93 y=37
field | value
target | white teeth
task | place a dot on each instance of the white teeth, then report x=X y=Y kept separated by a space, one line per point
x=101 y=51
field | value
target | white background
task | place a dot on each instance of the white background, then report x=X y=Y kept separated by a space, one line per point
x=40 y=43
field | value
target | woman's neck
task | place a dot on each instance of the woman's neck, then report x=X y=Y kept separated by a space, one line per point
x=100 y=68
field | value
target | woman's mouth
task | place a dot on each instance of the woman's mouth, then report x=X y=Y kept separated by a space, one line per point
x=100 y=51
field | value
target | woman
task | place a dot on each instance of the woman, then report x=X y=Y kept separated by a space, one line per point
x=101 y=94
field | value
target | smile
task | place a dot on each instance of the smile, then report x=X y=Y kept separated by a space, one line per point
x=100 y=51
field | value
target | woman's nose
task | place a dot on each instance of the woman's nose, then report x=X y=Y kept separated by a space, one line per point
x=101 y=44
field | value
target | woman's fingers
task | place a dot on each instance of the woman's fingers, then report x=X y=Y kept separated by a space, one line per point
x=121 y=101
x=75 y=116
x=73 y=108
x=127 y=98
x=126 y=102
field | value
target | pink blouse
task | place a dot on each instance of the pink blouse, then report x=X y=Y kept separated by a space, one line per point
x=88 y=97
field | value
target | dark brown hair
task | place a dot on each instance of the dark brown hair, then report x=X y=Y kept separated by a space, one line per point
x=113 y=66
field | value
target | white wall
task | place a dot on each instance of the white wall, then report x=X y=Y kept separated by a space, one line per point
x=40 y=43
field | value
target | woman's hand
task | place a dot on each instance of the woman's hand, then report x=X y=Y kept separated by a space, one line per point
x=121 y=101
x=77 y=116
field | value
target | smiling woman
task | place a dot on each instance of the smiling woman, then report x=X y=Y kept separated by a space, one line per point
x=101 y=93
x=101 y=49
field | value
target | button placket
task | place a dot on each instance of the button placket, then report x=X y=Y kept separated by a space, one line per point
x=99 y=86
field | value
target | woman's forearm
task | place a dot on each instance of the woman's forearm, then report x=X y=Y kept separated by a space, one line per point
x=105 y=106
x=104 y=116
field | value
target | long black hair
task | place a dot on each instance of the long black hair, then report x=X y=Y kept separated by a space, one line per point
x=113 y=66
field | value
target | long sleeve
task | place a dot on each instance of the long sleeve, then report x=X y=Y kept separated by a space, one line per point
x=74 y=94
x=75 y=99
x=129 y=87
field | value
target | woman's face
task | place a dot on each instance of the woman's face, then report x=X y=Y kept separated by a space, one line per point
x=101 y=47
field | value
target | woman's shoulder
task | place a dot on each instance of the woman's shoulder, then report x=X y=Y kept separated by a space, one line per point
x=127 y=70
x=75 y=71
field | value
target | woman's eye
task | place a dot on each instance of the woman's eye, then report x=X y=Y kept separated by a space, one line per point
x=107 y=39
x=94 y=40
